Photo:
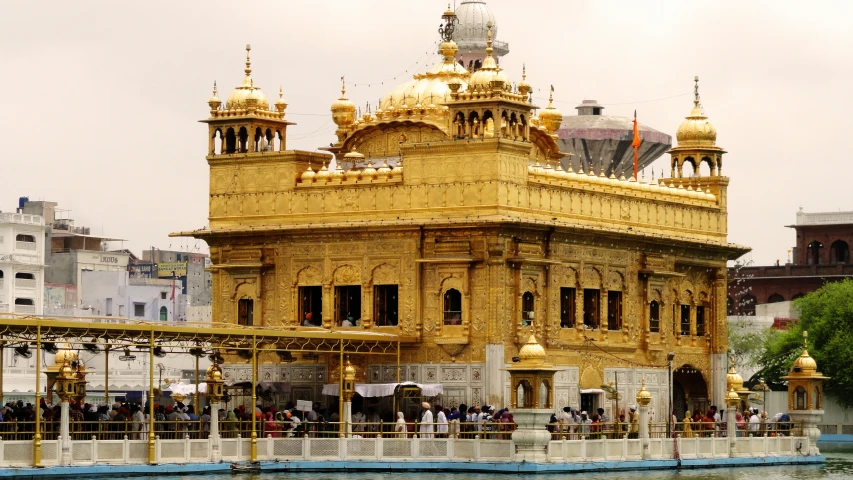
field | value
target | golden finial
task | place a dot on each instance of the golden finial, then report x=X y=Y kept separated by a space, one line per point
x=806 y=339
x=214 y=88
x=489 y=48
x=551 y=97
x=696 y=90
x=248 y=60
x=343 y=87
x=280 y=92
x=524 y=71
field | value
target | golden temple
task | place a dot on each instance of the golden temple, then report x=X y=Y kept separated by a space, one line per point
x=448 y=219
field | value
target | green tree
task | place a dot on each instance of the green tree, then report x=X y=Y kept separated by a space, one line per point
x=747 y=342
x=827 y=314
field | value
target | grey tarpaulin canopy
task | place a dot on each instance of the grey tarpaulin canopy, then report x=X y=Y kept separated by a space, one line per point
x=385 y=389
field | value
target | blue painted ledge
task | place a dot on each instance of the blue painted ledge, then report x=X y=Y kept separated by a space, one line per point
x=401 y=466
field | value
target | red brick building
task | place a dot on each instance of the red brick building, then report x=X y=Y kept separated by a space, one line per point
x=821 y=254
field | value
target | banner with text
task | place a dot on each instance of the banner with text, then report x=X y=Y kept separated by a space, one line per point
x=166 y=270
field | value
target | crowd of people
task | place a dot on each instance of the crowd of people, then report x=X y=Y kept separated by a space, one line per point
x=571 y=424
x=748 y=421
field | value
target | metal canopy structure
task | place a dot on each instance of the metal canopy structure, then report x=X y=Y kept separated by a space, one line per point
x=97 y=334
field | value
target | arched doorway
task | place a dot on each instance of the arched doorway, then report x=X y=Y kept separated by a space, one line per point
x=164 y=314
x=690 y=391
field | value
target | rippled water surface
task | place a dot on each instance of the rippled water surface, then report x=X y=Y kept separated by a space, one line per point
x=838 y=466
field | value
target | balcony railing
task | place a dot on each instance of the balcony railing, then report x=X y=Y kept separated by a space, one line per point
x=25 y=282
x=28 y=309
x=25 y=245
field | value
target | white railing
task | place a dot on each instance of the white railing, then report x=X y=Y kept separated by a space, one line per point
x=28 y=309
x=25 y=282
x=24 y=218
x=25 y=245
x=186 y=450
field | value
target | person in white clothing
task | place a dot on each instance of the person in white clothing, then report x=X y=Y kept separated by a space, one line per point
x=754 y=421
x=400 y=427
x=426 y=427
x=441 y=420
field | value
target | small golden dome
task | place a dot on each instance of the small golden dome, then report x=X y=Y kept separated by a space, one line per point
x=369 y=172
x=343 y=110
x=349 y=370
x=337 y=173
x=66 y=372
x=551 y=118
x=280 y=104
x=64 y=355
x=734 y=380
x=214 y=101
x=523 y=87
x=696 y=130
x=384 y=171
x=483 y=78
x=324 y=174
x=644 y=397
x=214 y=372
x=308 y=175
x=247 y=95
x=531 y=352
x=732 y=398
x=805 y=364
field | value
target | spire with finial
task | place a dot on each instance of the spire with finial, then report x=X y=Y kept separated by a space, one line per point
x=551 y=118
x=248 y=69
x=523 y=87
x=280 y=104
x=696 y=90
x=214 y=101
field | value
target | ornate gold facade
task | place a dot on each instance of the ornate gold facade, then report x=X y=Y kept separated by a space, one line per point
x=464 y=194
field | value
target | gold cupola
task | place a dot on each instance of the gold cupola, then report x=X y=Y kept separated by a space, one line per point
x=551 y=118
x=696 y=130
x=531 y=353
x=489 y=75
x=524 y=88
x=280 y=104
x=343 y=110
x=214 y=101
x=247 y=96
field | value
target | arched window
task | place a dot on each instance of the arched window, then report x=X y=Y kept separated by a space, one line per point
x=799 y=295
x=800 y=399
x=813 y=253
x=25 y=238
x=230 y=141
x=528 y=305
x=747 y=305
x=775 y=298
x=452 y=307
x=839 y=252
x=243 y=137
x=217 y=142
x=164 y=314
x=654 y=316
x=1 y=273
x=27 y=276
x=24 y=301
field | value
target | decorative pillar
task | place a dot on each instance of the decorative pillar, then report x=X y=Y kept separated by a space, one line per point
x=805 y=396
x=254 y=442
x=37 y=402
x=65 y=389
x=215 y=384
x=531 y=435
x=152 y=459
x=732 y=402
x=644 y=398
x=346 y=395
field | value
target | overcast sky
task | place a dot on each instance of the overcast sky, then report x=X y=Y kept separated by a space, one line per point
x=102 y=99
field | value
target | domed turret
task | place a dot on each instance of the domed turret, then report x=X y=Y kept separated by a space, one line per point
x=214 y=101
x=531 y=352
x=214 y=372
x=489 y=73
x=696 y=130
x=734 y=380
x=343 y=110
x=247 y=95
x=64 y=355
x=280 y=104
x=551 y=118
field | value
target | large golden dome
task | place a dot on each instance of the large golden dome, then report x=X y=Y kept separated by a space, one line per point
x=696 y=130
x=427 y=89
x=247 y=95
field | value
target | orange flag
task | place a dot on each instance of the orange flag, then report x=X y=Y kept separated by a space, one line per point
x=636 y=145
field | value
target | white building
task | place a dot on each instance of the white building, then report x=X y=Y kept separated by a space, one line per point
x=115 y=294
x=21 y=263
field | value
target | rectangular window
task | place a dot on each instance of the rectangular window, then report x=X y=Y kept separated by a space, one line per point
x=385 y=305
x=654 y=317
x=138 y=309
x=700 y=321
x=348 y=306
x=591 y=313
x=109 y=307
x=674 y=319
x=685 y=319
x=614 y=310
x=246 y=312
x=311 y=306
x=567 y=307
x=162 y=295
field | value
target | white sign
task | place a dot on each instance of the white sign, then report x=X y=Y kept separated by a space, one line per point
x=303 y=405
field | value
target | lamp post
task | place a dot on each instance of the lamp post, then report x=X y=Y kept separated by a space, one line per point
x=669 y=358
x=65 y=389
x=214 y=393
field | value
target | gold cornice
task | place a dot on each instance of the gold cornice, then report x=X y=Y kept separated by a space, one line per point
x=468 y=145
x=254 y=158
